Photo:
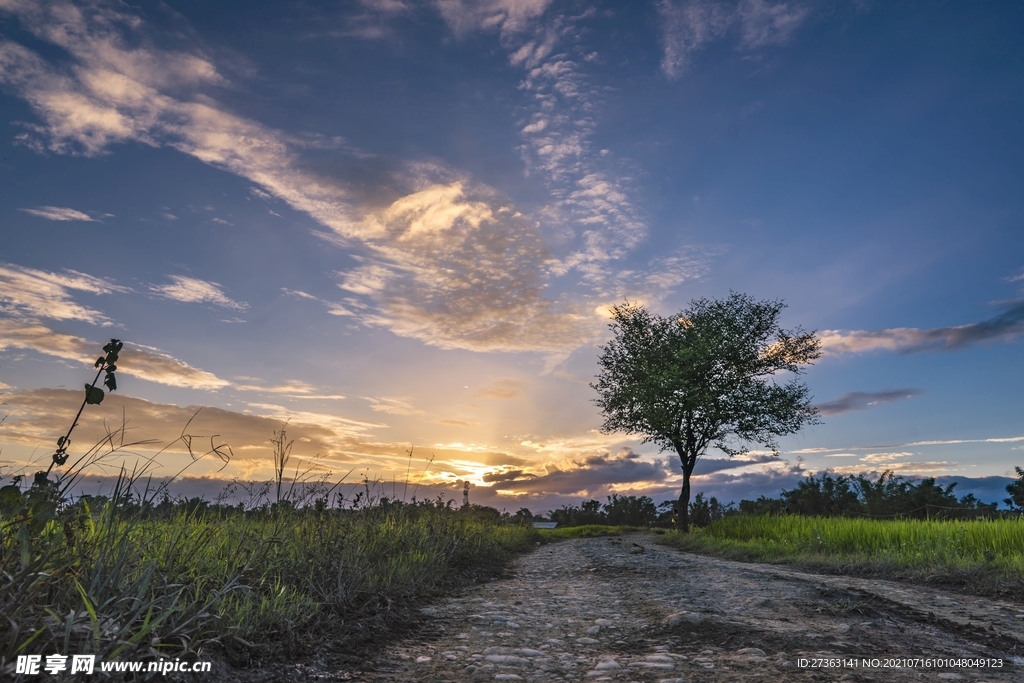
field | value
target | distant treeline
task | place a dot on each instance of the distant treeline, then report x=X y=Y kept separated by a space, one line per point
x=888 y=496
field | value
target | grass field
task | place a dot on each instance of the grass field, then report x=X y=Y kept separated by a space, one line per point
x=124 y=581
x=984 y=556
x=584 y=531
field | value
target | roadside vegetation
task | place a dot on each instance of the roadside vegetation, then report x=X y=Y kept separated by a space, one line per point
x=889 y=527
x=137 y=575
x=584 y=531
x=127 y=577
x=984 y=556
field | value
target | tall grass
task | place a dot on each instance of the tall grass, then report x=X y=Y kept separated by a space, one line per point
x=988 y=553
x=123 y=577
x=124 y=580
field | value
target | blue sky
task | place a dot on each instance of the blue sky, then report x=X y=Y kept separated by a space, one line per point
x=400 y=224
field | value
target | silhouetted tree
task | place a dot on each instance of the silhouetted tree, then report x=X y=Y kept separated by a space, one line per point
x=1016 y=490
x=705 y=511
x=630 y=510
x=826 y=497
x=703 y=377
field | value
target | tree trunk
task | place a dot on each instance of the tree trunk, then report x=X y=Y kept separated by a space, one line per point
x=688 y=462
x=683 y=506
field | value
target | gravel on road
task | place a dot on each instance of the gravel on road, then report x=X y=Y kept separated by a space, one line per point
x=625 y=609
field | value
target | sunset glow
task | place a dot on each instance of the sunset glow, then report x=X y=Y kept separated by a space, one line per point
x=388 y=225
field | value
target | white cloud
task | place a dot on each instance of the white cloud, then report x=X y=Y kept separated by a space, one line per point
x=195 y=291
x=766 y=24
x=886 y=457
x=454 y=268
x=1004 y=327
x=912 y=444
x=913 y=469
x=40 y=414
x=143 y=362
x=59 y=213
x=438 y=276
x=370 y=278
x=43 y=294
x=591 y=190
x=508 y=16
x=372 y=23
x=449 y=263
x=688 y=26
x=290 y=389
x=394 y=405
x=333 y=307
x=115 y=92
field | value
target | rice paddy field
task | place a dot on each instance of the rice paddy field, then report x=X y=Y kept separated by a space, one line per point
x=984 y=556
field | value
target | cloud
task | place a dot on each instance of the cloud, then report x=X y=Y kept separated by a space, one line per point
x=325 y=441
x=120 y=88
x=26 y=292
x=861 y=400
x=508 y=16
x=1004 y=327
x=290 y=389
x=333 y=307
x=137 y=361
x=372 y=23
x=886 y=457
x=950 y=442
x=706 y=466
x=39 y=415
x=912 y=444
x=194 y=290
x=458 y=423
x=394 y=405
x=503 y=389
x=592 y=205
x=454 y=270
x=447 y=262
x=766 y=24
x=59 y=213
x=902 y=468
x=686 y=28
x=587 y=476
x=690 y=25
x=769 y=480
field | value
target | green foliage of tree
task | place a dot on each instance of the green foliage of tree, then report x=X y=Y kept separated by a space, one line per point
x=1016 y=490
x=619 y=510
x=704 y=511
x=826 y=497
x=706 y=377
x=630 y=510
x=858 y=496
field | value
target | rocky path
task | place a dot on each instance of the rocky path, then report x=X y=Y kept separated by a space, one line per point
x=624 y=609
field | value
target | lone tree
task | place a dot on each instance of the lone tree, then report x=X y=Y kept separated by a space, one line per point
x=705 y=377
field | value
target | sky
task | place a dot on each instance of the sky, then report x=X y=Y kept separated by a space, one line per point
x=395 y=229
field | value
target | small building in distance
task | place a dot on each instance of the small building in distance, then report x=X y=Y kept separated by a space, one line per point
x=545 y=525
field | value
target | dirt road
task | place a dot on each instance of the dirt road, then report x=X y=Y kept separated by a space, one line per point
x=625 y=609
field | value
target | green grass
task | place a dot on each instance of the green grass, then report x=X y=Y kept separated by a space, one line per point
x=584 y=531
x=123 y=582
x=986 y=556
